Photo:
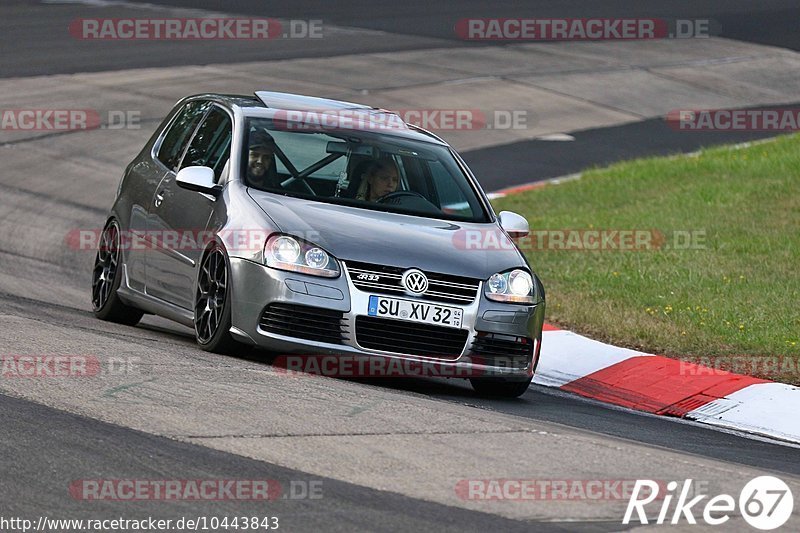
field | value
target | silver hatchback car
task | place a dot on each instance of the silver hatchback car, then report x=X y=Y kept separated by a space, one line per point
x=312 y=226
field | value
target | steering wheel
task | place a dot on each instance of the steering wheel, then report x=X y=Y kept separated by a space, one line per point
x=397 y=195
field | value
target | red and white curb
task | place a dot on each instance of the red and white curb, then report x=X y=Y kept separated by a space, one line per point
x=664 y=386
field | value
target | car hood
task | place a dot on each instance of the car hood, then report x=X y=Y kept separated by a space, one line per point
x=382 y=238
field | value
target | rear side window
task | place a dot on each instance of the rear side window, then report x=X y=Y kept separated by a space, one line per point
x=210 y=146
x=179 y=133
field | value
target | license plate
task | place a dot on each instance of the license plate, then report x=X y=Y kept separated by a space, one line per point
x=424 y=313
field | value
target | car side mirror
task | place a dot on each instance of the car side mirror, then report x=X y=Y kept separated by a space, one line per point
x=515 y=225
x=198 y=179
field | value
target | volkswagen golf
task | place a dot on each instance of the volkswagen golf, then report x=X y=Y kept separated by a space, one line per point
x=305 y=225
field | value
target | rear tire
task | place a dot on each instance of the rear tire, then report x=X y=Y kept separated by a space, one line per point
x=212 y=303
x=500 y=389
x=106 y=279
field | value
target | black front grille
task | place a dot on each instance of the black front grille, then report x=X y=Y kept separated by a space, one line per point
x=387 y=280
x=305 y=322
x=410 y=338
x=495 y=349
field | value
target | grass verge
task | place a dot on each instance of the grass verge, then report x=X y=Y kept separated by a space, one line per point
x=720 y=283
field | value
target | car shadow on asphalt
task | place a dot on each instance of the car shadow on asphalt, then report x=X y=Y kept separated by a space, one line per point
x=456 y=389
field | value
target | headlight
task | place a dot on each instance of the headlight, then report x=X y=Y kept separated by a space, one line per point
x=515 y=287
x=316 y=258
x=284 y=249
x=287 y=253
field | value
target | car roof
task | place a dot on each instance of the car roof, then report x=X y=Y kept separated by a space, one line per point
x=269 y=104
x=300 y=102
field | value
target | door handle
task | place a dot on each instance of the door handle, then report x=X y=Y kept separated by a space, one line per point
x=159 y=198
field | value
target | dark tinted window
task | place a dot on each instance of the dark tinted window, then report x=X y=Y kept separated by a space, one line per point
x=210 y=146
x=452 y=196
x=180 y=131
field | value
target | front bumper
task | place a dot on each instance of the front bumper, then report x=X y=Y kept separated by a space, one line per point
x=255 y=285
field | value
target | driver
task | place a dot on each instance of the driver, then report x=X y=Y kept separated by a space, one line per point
x=380 y=178
x=261 y=161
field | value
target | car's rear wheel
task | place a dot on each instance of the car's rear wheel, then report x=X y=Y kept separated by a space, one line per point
x=500 y=389
x=212 y=303
x=106 y=279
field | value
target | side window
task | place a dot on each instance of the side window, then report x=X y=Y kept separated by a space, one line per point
x=210 y=146
x=180 y=131
x=451 y=198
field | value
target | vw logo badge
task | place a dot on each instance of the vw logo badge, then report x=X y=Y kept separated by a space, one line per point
x=415 y=281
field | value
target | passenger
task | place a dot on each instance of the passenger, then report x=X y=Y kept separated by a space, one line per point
x=261 y=161
x=380 y=178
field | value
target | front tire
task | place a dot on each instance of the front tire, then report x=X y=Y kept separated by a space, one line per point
x=212 y=303
x=106 y=279
x=500 y=389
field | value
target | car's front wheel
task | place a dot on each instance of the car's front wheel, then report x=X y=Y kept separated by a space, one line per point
x=106 y=279
x=212 y=303
x=500 y=389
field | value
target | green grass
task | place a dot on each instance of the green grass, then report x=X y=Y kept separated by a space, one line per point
x=738 y=295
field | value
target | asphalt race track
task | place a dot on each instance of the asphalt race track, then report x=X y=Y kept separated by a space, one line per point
x=37 y=44
x=389 y=455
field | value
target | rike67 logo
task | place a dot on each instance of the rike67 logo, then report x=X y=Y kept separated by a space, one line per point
x=765 y=503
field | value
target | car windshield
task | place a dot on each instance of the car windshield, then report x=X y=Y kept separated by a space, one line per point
x=369 y=170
